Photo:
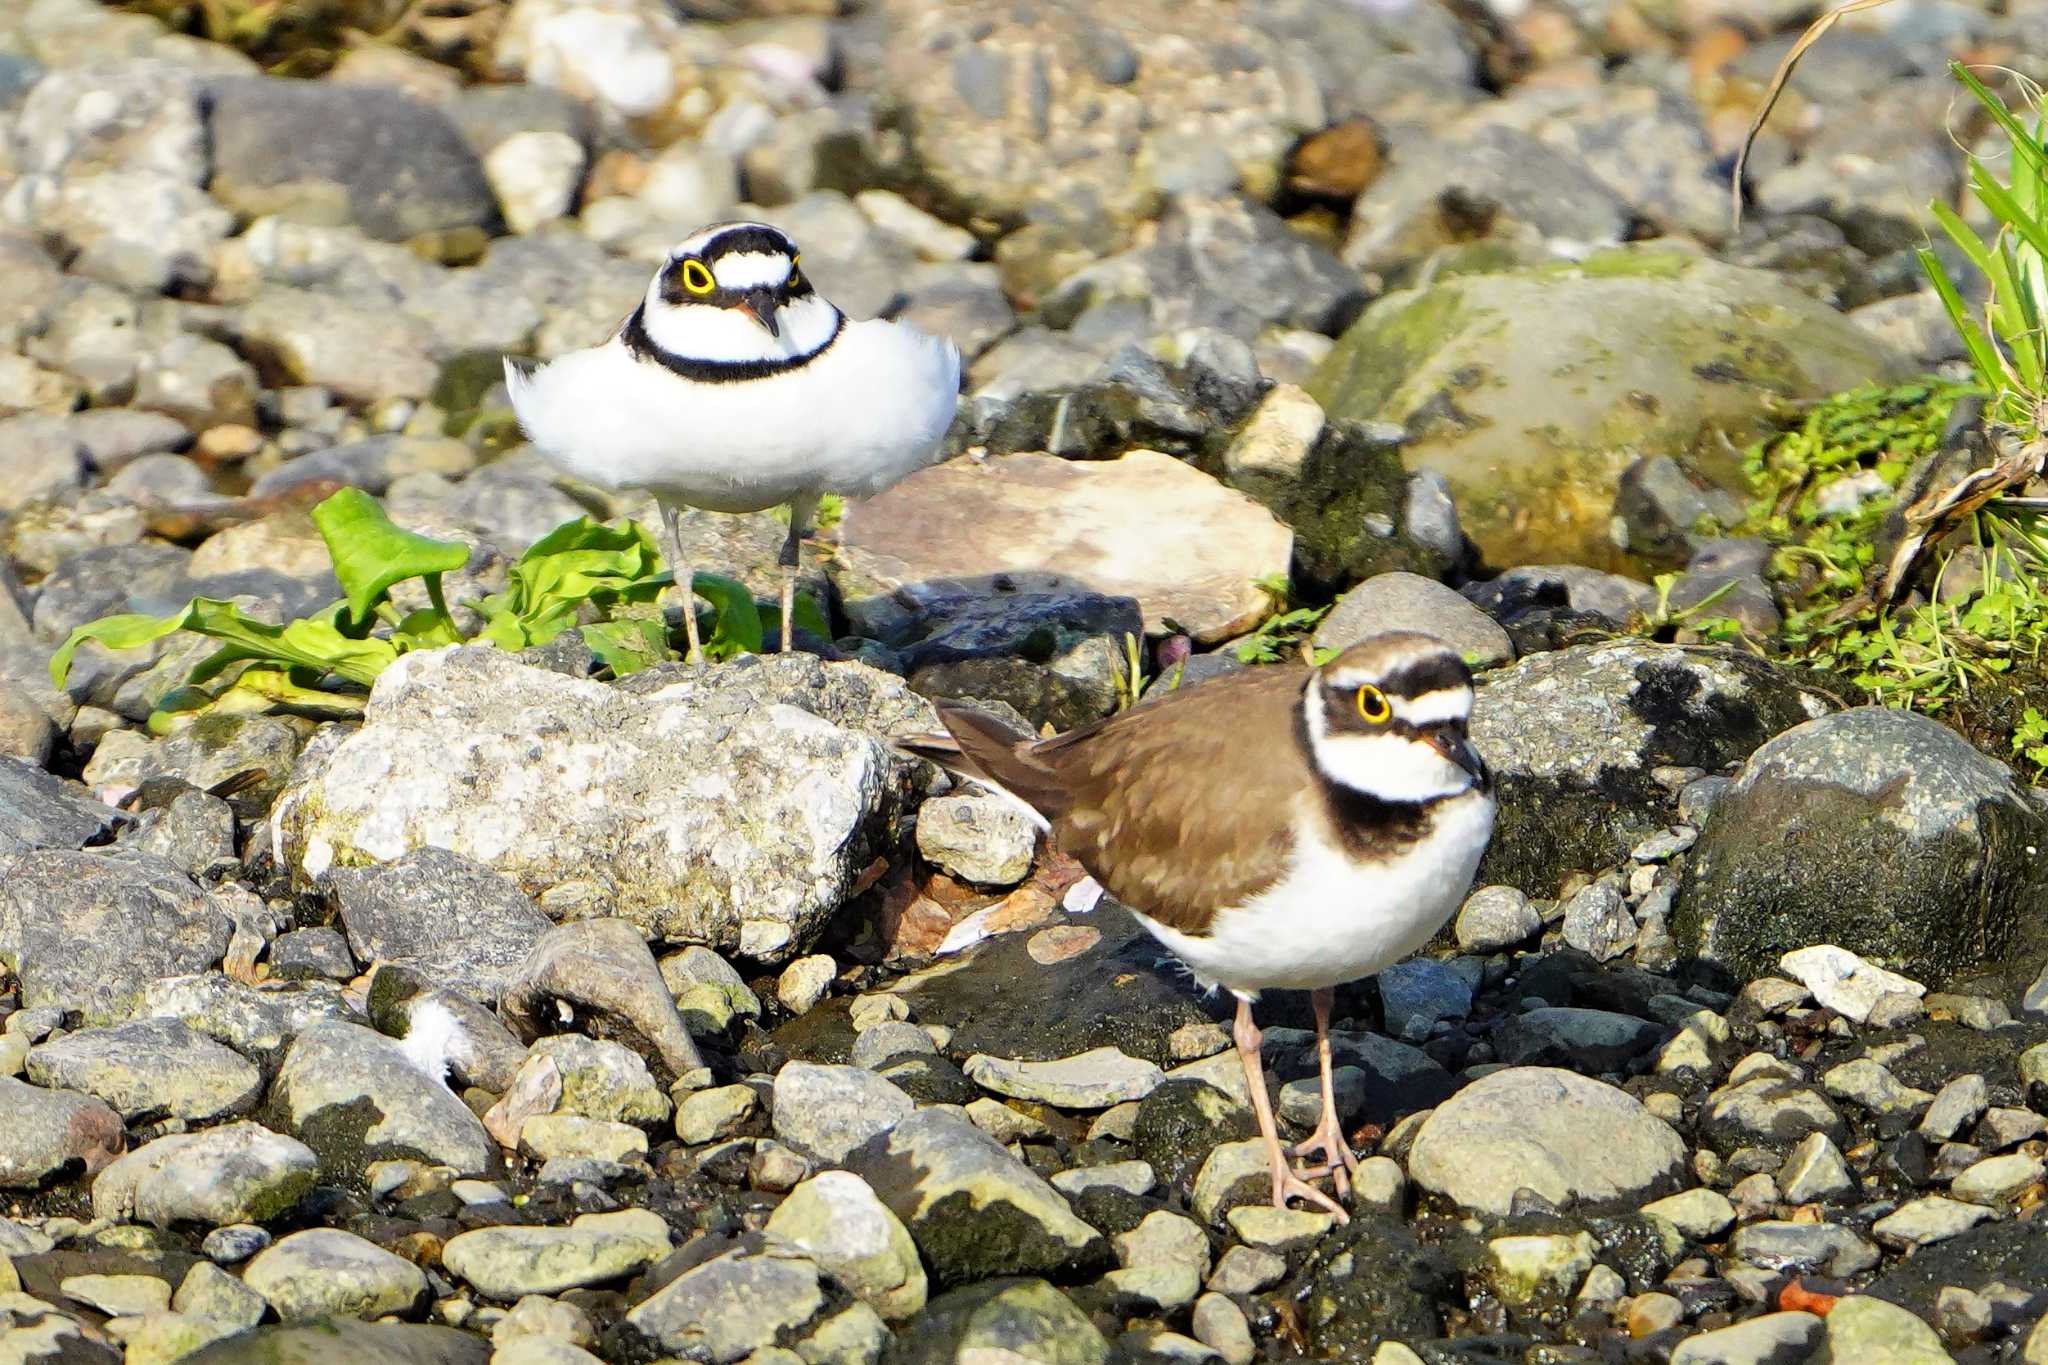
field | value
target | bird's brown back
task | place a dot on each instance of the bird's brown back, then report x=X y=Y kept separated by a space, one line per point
x=1179 y=807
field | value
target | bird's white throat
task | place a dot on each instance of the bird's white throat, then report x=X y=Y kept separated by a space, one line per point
x=691 y=331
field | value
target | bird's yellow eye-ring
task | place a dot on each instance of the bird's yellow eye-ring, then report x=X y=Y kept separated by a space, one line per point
x=1373 y=706
x=794 y=278
x=697 y=277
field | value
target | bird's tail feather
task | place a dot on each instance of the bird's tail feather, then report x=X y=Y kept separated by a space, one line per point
x=984 y=749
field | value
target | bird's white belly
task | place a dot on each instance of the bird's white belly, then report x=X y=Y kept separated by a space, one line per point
x=1330 y=921
x=869 y=410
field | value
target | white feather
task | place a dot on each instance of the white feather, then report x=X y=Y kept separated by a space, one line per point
x=1332 y=919
x=872 y=408
x=430 y=1033
x=746 y=269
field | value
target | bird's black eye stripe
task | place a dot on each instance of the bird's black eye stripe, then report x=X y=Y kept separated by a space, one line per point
x=1434 y=674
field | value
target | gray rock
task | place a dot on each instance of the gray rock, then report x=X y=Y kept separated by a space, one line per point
x=53 y=1135
x=973 y=1209
x=716 y=756
x=724 y=1308
x=38 y=811
x=1090 y=1080
x=1767 y=1111
x=43 y=460
x=1223 y=263
x=1525 y=1127
x=1868 y=1083
x=1021 y=1317
x=464 y=926
x=1624 y=322
x=360 y=1343
x=1134 y=115
x=258 y=1023
x=1437 y=191
x=1827 y=1248
x=827 y=1112
x=1814 y=1171
x=362 y=354
x=1844 y=982
x=234 y=1174
x=1074 y=514
x=601 y=971
x=1664 y=510
x=141 y=230
x=1759 y=1341
x=1931 y=1219
x=195 y=833
x=510 y=1262
x=319 y=954
x=89 y=931
x=602 y=1080
x=1496 y=917
x=1862 y=1328
x=1574 y=736
x=1821 y=842
x=1406 y=601
x=879 y=1044
x=1415 y=995
x=150 y=1069
x=327 y=153
x=978 y=837
x=1597 y=921
x=355 y=1098
x=1599 y=1040
x=210 y=751
x=1998 y=1180
x=836 y=1220
x=707 y=1115
x=325 y=1272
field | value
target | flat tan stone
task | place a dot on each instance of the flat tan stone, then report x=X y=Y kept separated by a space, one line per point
x=1145 y=526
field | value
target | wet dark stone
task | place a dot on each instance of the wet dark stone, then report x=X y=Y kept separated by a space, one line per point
x=1368 y=1282
x=1183 y=1121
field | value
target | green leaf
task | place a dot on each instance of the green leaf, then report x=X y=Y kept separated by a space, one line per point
x=130 y=631
x=629 y=644
x=316 y=643
x=737 y=621
x=371 y=553
x=577 y=562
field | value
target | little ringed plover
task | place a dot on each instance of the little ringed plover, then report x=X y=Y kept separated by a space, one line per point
x=735 y=386
x=1284 y=826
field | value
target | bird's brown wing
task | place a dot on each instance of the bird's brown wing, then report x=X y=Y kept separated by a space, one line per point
x=987 y=747
x=1185 y=806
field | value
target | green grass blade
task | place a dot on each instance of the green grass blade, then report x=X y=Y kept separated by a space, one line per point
x=2024 y=145
x=1983 y=355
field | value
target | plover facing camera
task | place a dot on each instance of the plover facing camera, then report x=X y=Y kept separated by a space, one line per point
x=735 y=386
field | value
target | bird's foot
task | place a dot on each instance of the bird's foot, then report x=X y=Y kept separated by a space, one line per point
x=1289 y=1186
x=1339 y=1162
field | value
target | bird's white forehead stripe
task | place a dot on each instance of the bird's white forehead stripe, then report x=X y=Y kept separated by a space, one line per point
x=746 y=269
x=1446 y=703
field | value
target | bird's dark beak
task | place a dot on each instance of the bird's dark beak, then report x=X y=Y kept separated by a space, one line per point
x=1449 y=740
x=760 y=305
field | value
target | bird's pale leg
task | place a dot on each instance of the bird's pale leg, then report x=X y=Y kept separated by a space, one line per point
x=1339 y=1162
x=1286 y=1184
x=685 y=576
x=801 y=509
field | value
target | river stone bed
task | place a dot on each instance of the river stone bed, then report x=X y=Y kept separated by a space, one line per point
x=538 y=1018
